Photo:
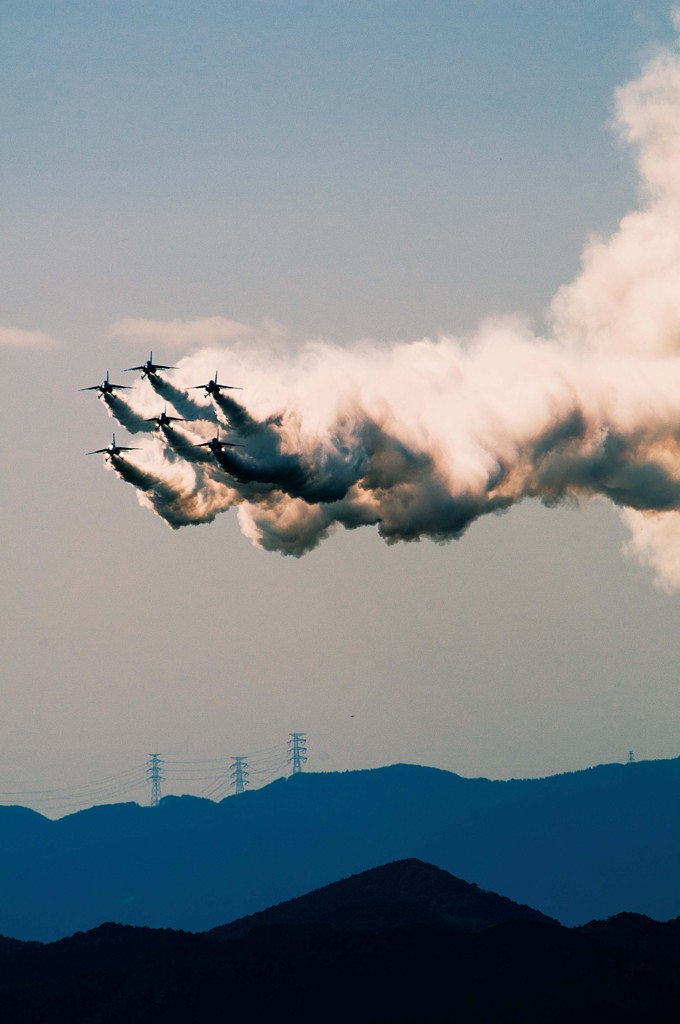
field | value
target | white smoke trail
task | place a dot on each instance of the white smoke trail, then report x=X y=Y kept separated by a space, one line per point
x=421 y=439
x=124 y=413
x=181 y=400
x=180 y=444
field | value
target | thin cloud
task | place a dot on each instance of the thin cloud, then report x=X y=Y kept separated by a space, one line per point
x=180 y=334
x=18 y=337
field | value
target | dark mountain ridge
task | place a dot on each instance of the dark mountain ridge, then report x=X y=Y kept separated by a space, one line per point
x=424 y=947
x=578 y=846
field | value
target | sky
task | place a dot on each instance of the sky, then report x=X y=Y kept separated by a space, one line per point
x=298 y=194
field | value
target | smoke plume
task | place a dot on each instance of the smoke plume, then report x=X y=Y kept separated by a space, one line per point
x=126 y=415
x=421 y=439
x=182 y=401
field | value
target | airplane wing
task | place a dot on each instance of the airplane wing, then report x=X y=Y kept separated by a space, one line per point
x=122 y=448
x=127 y=368
x=124 y=387
x=222 y=444
x=97 y=451
x=232 y=387
x=95 y=387
x=159 y=366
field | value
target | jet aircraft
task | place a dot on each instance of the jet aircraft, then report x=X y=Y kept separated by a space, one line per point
x=112 y=449
x=106 y=387
x=149 y=367
x=215 y=444
x=163 y=420
x=213 y=388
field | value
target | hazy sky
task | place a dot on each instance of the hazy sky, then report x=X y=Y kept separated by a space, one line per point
x=336 y=170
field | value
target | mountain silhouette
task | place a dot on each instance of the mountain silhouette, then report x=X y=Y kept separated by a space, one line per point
x=577 y=847
x=402 y=894
x=401 y=944
x=638 y=933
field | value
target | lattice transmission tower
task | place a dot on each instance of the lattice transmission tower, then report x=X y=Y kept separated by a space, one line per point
x=239 y=774
x=154 y=773
x=297 y=751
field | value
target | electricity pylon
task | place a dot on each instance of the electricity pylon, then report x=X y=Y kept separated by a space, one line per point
x=239 y=774
x=154 y=772
x=297 y=751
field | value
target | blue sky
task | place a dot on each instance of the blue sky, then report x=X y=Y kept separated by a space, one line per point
x=344 y=170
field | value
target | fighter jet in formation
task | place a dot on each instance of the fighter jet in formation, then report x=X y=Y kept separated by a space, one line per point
x=215 y=444
x=106 y=387
x=149 y=367
x=213 y=388
x=164 y=420
x=112 y=449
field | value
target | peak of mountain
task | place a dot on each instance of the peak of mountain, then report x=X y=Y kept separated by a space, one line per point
x=403 y=893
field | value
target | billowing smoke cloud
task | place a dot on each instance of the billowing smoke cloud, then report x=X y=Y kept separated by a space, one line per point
x=183 y=496
x=421 y=439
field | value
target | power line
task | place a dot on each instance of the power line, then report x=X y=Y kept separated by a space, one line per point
x=204 y=777
x=75 y=789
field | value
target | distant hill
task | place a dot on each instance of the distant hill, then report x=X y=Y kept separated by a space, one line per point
x=659 y=940
x=577 y=846
x=399 y=944
x=403 y=894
